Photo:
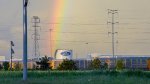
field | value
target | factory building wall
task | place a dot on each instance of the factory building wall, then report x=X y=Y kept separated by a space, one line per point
x=84 y=64
x=81 y=64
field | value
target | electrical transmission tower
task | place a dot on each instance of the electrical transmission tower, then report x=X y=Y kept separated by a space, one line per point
x=36 y=35
x=113 y=32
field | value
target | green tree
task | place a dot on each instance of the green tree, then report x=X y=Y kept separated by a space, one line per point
x=6 y=65
x=67 y=65
x=119 y=65
x=17 y=66
x=148 y=63
x=34 y=67
x=96 y=64
x=44 y=63
x=1 y=67
x=104 y=66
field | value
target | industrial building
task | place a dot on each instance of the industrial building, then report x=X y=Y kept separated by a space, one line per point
x=130 y=61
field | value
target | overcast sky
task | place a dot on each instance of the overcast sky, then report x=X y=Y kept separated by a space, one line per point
x=86 y=19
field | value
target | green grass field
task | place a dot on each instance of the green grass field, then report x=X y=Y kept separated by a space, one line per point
x=76 y=77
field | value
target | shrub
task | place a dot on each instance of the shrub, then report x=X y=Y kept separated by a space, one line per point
x=1 y=67
x=6 y=65
x=34 y=67
x=67 y=65
x=119 y=65
x=104 y=66
x=148 y=63
x=44 y=63
x=96 y=64
x=17 y=66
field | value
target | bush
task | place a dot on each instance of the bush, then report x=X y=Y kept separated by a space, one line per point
x=17 y=66
x=6 y=65
x=119 y=65
x=148 y=63
x=96 y=64
x=1 y=67
x=34 y=67
x=104 y=66
x=44 y=63
x=67 y=65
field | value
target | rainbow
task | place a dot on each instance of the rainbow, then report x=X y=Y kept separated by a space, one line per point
x=56 y=20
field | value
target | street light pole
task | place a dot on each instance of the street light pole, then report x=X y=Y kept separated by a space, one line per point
x=11 y=52
x=11 y=57
x=51 y=42
x=87 y=49
x=25 y=55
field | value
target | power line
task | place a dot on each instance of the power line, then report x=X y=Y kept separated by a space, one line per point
x=72 y=41
x=76 y=32
x=73 y=23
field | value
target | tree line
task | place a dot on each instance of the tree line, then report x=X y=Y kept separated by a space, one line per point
x=66 y=64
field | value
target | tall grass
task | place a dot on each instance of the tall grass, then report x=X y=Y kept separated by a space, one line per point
x=76 y=77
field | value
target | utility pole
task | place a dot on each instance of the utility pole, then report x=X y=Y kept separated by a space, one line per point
x=51 y=51
x=113 y=22
x=12 y=52
x=87 y=50
x=36 y=35
x=25 y=53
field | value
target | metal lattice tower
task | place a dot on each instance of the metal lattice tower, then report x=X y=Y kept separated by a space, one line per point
x=36 y=35
x=113 y=32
